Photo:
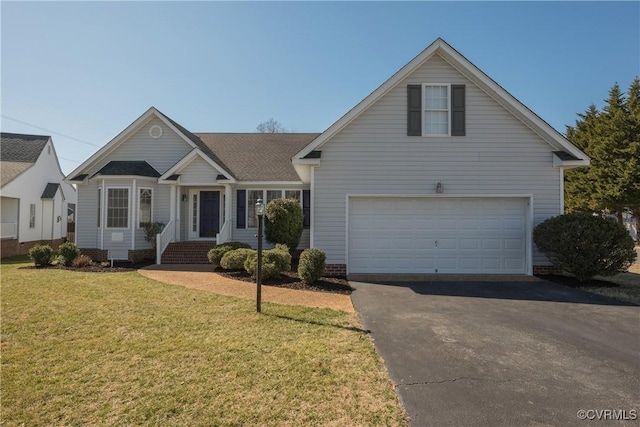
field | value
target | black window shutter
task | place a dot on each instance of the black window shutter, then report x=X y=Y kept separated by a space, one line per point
x=457 y=110
x=414 y=110
x=241 y=208
x=306 y=208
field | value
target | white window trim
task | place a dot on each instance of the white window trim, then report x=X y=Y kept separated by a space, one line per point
x=138 y=204
x=106 y=207
x=264 y=199
x=424 y=109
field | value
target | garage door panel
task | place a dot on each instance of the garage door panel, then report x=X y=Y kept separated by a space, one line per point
x=473 y=235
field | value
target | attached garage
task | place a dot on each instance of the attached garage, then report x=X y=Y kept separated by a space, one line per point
x=438 y=235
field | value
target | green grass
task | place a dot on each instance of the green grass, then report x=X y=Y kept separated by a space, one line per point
x=120 y=349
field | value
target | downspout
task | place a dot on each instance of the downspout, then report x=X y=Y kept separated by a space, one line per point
x=134 y=210
x=103 y=208
x=561 y=191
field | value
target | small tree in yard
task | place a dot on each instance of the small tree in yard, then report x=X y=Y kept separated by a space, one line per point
x=283 y=222
x=586 y=245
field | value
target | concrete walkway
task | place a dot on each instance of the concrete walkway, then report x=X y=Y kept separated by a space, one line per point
x=201 y=276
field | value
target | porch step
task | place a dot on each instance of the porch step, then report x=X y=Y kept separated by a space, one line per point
x=187 y=253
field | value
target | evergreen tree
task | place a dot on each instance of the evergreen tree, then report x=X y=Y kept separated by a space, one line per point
x=611 y=138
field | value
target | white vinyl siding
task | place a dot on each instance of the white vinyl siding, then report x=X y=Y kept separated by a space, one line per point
x=373 y=155
x=161 y=153
x=198 y=172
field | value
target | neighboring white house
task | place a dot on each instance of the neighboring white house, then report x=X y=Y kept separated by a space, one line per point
x=439 y=170
x=34 y=196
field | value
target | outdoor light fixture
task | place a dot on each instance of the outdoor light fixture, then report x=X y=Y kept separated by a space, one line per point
x=439 y=187
x=184 y=197
x=260 y=215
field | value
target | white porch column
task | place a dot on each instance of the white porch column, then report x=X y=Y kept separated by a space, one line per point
x=228 y=198
x=178 y=208
x=173 y=206
x=134 y=212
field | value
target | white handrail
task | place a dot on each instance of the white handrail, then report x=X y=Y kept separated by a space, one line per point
x=163 y=239
x=225 y=233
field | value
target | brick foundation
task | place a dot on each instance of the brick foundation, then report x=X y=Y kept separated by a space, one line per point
x=142 y=254
x=11 y=247
x=98 y=255
x=335 y=270
x=546 y=269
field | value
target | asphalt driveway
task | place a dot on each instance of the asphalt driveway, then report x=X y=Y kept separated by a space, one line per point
x=505 y=354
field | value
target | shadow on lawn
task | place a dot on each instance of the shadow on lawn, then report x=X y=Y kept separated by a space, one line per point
x=313 y=322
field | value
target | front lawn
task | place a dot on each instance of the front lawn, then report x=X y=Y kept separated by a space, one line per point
x=121 y=349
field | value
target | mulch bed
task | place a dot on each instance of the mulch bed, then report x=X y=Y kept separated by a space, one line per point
x=98 y=267
x=572 y=282
x=290 y=280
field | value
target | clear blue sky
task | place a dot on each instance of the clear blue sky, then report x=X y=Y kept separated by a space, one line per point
x=87 y=70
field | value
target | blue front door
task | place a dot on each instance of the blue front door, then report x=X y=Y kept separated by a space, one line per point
x=209 y=213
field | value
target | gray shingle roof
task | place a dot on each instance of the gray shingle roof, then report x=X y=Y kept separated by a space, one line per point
x=197 y=141
x=18 y=153
x=563 y=155
x=258 y=156
x=128 y=167
x=50 y=191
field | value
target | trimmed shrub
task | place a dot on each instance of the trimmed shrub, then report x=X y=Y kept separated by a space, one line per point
x=68 y=252
x=234 y=260
x=280 y=257
x=215 y=254
x=283 y=222
x=82 y=261
x=41 y=255
x=274 y=263
x=585 y=245
x=311 y=266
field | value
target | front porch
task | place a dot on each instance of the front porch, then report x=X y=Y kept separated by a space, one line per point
x=200 y=218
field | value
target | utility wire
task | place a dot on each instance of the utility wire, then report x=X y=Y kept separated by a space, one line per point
x=49 y=130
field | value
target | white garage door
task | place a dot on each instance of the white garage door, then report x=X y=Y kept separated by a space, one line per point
x=437 y=235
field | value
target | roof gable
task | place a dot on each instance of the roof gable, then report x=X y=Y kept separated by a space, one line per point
x=470 y=71
x=18 y=153
x=103 y=153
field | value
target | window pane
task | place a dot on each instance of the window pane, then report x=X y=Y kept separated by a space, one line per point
x=436 y=123
x=435 y=98
x=273 y=194
x=292 y=194
x=252 y=199
x=145 y=206
x=118 y=208
x=32 y=215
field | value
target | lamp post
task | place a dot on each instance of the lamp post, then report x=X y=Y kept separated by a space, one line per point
x=260 y=215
